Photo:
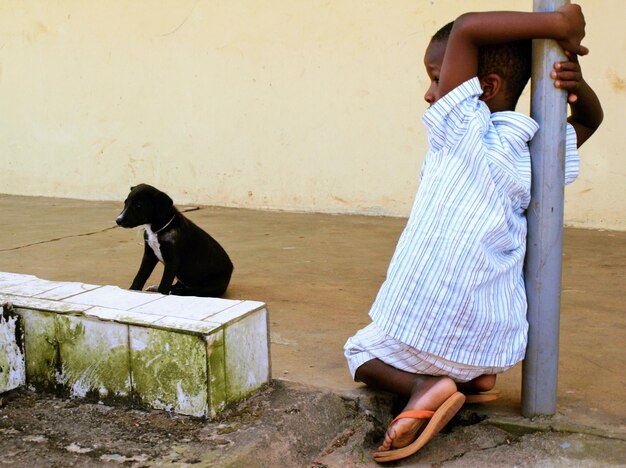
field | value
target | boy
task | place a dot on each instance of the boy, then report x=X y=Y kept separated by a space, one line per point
x=452 y=312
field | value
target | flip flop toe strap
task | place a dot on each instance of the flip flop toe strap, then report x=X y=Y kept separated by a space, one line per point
x=414 y=414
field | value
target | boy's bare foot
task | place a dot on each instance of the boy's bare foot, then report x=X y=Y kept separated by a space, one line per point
x=429 y=394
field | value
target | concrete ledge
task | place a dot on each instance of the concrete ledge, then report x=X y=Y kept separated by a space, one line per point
x=188 y=355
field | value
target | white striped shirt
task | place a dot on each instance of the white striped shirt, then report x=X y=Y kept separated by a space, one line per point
x=455 y=286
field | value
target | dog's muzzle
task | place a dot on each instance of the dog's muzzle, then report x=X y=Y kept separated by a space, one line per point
x=120 y=219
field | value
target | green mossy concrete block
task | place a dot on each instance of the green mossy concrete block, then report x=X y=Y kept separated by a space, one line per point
x=40 y=348
x=12 y=365
x=217 y=372
x=247 y=355
x=94 y=358
x=181 y=354
x=169 y=370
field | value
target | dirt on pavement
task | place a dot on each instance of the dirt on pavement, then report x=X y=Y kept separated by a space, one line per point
x=286 y=425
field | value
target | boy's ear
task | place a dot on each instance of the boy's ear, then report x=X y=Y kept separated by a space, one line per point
x=492 y=85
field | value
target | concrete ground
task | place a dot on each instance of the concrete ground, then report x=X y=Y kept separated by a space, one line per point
x=319 y=275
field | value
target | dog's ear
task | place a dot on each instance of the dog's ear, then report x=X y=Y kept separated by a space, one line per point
x=132 y=188
x=163 y=202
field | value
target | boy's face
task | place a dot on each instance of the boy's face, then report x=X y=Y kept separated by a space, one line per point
x=433 y=58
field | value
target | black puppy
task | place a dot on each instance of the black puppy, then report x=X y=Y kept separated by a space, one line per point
x=201 y=266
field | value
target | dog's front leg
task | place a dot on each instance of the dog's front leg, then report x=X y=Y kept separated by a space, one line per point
x=148 y=262
x=169 y=273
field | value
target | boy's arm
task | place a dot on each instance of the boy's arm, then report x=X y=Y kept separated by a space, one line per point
x=586 y=110
x=472 y=30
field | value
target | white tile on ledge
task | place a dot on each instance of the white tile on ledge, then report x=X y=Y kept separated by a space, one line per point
x=183 y=324
x=66 y=290
x=29 y=288
x=189 y=307
x=122 y=316
x=42 y=304
x=34 y=288
x=11 y=279
x=112 y=297
x=235 y=312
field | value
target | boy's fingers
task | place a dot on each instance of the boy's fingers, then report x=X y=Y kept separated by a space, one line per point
x=566 y=85
x=572 y=57
x=566 y=67
x=582 y=50
x=571 y=96
x=566 y=75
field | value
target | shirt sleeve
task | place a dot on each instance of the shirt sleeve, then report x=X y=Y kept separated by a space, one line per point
x=572 y=159
x=451 y=116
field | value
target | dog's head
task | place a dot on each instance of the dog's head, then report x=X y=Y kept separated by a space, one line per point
x=144 y=205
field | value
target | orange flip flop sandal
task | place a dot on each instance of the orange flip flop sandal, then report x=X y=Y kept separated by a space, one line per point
x=437 y=421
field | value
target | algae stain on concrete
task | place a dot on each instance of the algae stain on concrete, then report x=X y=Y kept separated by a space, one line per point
x=216 y=361
x=247 y=356
x=40 y=348
x=12 y=362
x=94 y=358
x=169 y=370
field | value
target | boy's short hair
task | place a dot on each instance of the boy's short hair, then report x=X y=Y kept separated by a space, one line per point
x=511 y=60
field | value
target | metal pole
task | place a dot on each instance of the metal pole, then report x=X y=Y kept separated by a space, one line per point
x=545 y=229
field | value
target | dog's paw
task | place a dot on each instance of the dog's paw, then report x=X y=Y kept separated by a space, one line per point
x=153 y=288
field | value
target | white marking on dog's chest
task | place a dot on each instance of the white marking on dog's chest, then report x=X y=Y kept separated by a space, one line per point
x=153 y=242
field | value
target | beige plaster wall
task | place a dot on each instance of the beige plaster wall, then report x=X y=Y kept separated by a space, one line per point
x=271 y=104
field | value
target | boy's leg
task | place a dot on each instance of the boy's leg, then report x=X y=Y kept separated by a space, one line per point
x=482 y=383
x=425 y=392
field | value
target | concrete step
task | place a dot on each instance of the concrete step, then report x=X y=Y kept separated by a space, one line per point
x=187 y=355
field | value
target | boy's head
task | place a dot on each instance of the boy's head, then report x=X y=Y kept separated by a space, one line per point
x=511 y=61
